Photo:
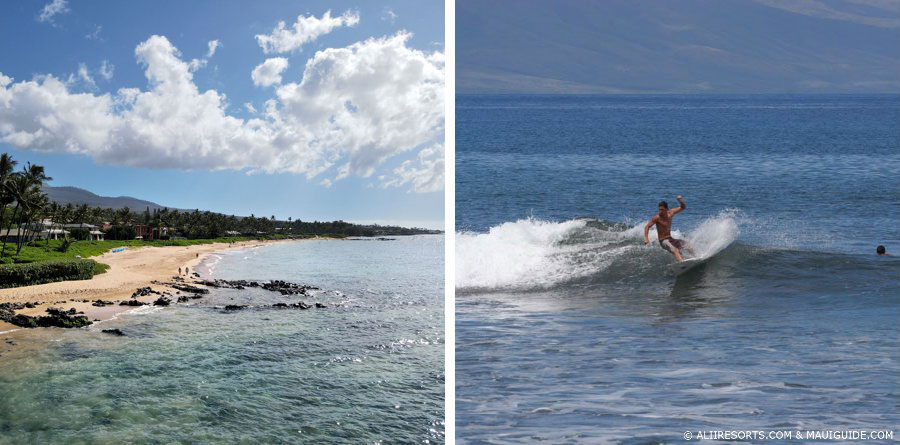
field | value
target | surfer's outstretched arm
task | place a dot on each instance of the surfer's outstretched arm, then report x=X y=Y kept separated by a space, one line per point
x=680 y=208
x=647 y=229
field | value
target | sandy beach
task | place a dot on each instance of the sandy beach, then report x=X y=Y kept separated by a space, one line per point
x=129 y=270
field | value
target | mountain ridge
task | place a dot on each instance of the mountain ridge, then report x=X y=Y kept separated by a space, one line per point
x=695 y=46
x=76 y=196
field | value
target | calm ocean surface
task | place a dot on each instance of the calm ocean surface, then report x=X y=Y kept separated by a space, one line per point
x=370 y=368
x=569 y=329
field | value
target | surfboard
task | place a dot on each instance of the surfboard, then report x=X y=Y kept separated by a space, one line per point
x=686 y=265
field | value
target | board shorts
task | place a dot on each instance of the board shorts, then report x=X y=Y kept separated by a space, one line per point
x=671 y=244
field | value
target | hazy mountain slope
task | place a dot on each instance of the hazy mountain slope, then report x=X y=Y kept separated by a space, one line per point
x=683 y=46
x=77 y=196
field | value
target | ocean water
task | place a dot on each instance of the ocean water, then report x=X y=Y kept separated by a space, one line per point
x=570 y=329
x=368 y=369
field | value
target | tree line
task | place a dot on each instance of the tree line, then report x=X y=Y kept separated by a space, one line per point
x=25 y=206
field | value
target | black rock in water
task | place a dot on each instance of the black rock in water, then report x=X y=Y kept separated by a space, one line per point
x=190 y=289
x=116 y=332
x=56 y=318
x=235 y=307
x=24 y=321
x=284 y=287
x=162 y=301
x=300 y=305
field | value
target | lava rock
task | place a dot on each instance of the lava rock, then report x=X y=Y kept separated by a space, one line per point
x=132 y=303
x=56 y=318
x=116 y=332
x=190 y=289
x=143 y=292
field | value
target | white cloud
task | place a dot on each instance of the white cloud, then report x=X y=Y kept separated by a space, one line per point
x=355 y=108
x=106 y=70
x=250 y=108
x=196 y=64
x=389 y=15
x=269 y=72
x=374 y=99
x=51 y=9
x=213 y=45
x=305 y=30
x=95 y=35
x=81 y=76
x=425 y=175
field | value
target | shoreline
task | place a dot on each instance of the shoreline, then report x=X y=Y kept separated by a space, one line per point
x=129 y=271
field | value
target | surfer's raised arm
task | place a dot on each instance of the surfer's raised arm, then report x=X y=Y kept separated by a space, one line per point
x=680 y=208
x=647 y=228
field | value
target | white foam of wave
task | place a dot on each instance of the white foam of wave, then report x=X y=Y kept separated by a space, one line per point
x=211 y=262
x=512 y=254
x=714 y=234
x=532 y=253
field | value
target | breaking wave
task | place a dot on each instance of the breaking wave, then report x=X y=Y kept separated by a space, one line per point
x=533 y=253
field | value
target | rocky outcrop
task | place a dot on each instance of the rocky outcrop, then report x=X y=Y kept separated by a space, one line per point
x=132 y=303
x=144 y=292
x=190 y=289
x=55 y=317
x=162 y=301
x=283 y=287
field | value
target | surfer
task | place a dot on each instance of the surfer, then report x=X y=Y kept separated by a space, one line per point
x=663 y=222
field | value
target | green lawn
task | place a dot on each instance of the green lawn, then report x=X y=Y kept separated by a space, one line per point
x=39 y=251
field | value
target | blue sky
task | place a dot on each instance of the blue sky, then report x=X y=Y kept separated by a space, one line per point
x=119 y=97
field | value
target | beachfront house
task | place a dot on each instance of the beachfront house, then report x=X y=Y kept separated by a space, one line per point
x=145 y=232
x=10 y=234
x=91 y=231
x=52 y=233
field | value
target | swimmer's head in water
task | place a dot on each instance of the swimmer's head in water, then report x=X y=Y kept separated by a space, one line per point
x=880 y=250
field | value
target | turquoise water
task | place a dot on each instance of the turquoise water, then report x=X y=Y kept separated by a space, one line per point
x=367 y=369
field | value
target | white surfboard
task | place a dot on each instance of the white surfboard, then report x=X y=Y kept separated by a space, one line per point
x=686 y=265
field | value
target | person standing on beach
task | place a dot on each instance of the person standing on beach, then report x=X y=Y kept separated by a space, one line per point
x=663 y=222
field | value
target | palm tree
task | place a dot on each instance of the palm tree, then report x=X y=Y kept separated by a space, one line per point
x=97 y=214
x=17 y=186
x=29 y=197
x=35 y=203
x=7 y=164
x=125 y=215
x=53 y=214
